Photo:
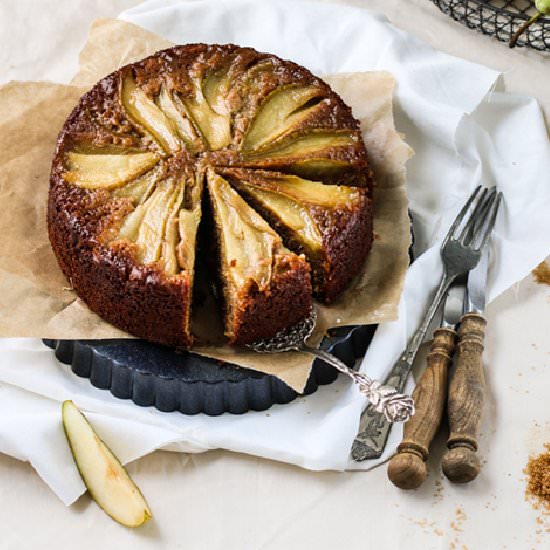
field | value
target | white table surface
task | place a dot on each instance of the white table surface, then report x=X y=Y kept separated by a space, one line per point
x=230 y=501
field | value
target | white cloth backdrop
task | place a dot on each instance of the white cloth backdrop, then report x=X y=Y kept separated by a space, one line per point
x=463 y=134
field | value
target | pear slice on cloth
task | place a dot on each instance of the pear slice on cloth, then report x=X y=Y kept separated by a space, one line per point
x=104 y=476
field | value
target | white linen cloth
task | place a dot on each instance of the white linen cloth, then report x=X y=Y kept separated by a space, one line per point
x=463 y=133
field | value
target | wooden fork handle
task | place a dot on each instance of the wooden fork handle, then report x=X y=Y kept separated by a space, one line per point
x=407 y=469
x=465 y=404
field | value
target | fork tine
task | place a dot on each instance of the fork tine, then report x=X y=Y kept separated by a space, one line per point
x=492 y=216
x=467 y=232
x=479 y=217
x=461 y=214
x=483 y=217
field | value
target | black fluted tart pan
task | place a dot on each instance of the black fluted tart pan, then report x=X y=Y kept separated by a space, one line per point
x=171 y=380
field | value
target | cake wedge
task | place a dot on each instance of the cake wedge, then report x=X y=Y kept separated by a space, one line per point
x=265 y=286
x=330 y=224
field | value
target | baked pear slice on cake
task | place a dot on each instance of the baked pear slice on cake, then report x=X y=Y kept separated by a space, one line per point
x=106 y=170
x=265 y=286
x=331 y=156
x=207 y=106
x=284 y=110
x=330 y=224
x=143 y=110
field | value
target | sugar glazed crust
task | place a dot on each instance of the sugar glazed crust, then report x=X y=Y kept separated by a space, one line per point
x=130 y=180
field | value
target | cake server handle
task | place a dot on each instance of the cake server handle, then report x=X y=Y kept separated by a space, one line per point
x=375 y=427
x=384 y=399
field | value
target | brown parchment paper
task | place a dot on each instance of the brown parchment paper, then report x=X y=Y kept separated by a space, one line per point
x=35 y=300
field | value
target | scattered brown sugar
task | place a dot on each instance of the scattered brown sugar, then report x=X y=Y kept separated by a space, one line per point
x=456 y=526
x=541 y=273
x=538 y=482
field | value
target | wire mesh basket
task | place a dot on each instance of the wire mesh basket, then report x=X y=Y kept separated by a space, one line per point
x=501 y=19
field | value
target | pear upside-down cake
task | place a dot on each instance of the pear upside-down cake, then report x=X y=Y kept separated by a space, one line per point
x=248 y=154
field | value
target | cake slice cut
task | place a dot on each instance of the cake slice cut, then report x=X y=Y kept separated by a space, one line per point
x=265 y=286
x=330 y=224
x=158 y=237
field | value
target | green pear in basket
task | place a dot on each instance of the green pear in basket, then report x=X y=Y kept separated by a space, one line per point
x=543 y=8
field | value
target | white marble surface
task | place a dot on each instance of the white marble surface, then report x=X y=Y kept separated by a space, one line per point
x=223 y=500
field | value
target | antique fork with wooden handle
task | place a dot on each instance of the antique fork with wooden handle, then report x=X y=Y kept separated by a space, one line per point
x=460 y=252
x=407 y=468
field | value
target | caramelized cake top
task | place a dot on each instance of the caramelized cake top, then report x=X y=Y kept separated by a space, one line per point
x=129 y=171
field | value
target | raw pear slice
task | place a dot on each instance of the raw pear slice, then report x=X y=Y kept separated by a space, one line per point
x=208 y=110
x=106 y=171
x=144 y=110
x=283 y=110
x=304 y=144
x=104 y=476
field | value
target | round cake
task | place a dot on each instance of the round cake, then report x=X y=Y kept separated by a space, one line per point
x=214 y=160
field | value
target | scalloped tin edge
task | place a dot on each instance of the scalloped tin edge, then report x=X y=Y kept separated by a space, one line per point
x=237 y=390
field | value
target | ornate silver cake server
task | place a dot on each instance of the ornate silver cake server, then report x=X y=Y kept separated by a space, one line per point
x=386 y=400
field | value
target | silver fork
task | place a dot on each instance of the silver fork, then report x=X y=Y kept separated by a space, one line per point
x=460 y=252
